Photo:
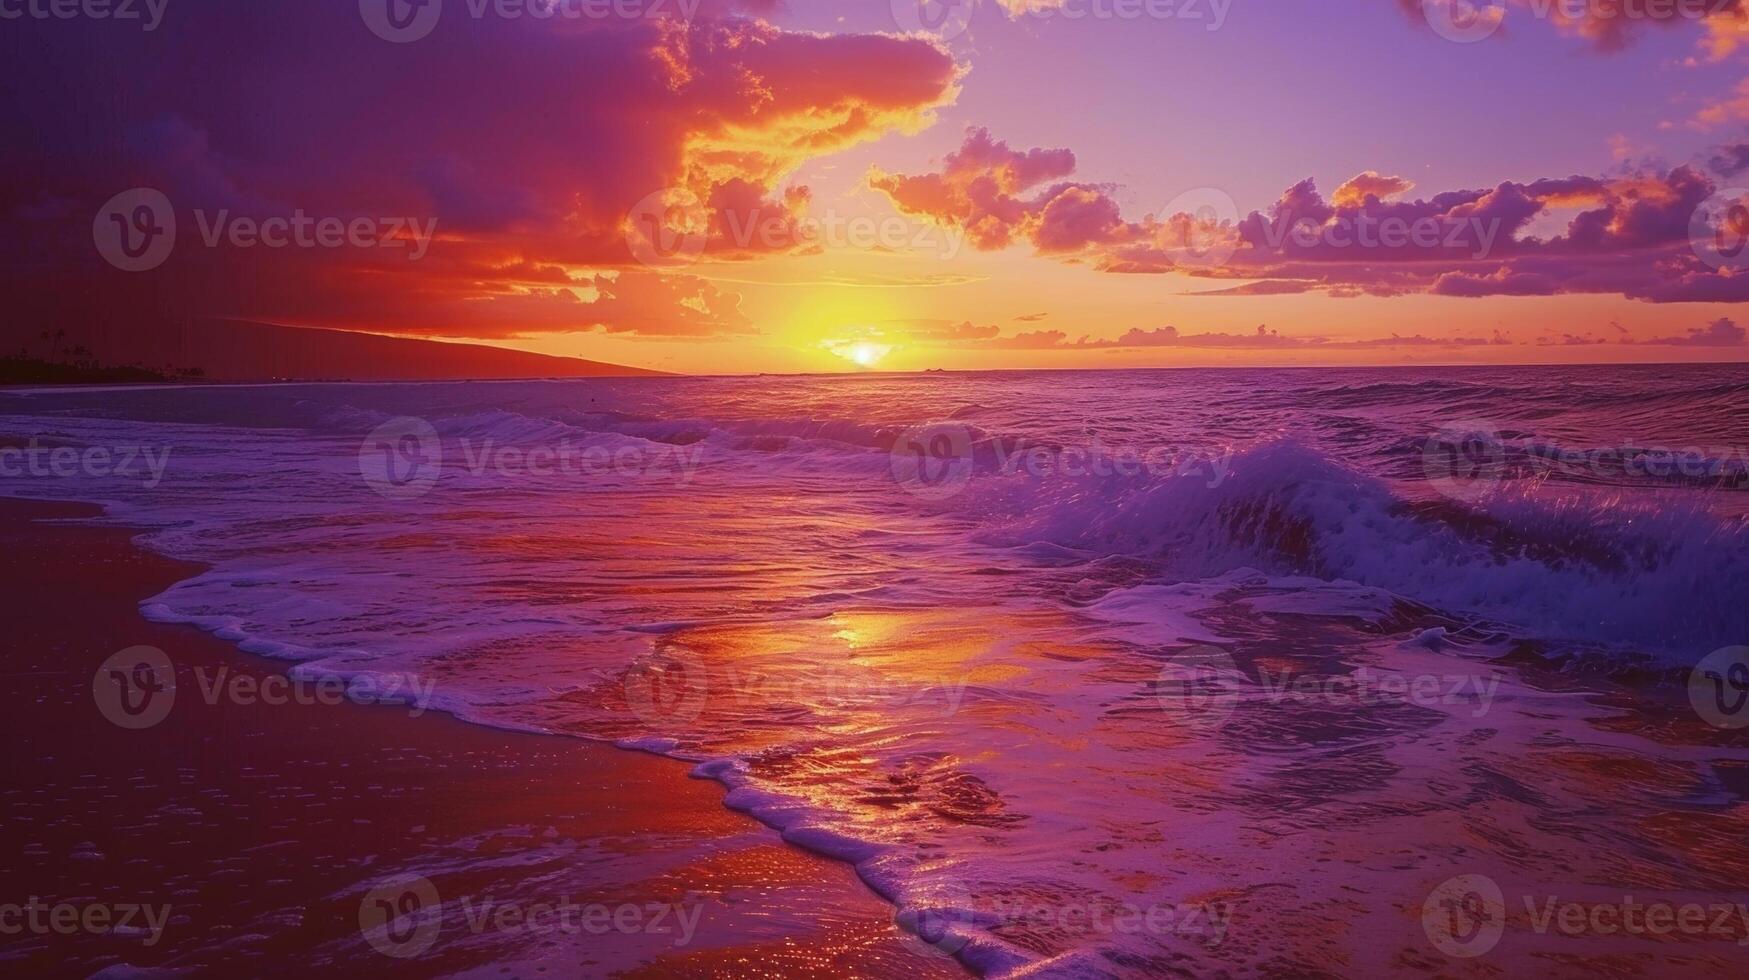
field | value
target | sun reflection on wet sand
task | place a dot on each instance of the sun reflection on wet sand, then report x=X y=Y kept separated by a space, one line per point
x=1340 y=813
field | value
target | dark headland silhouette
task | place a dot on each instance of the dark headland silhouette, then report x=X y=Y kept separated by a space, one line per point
x=234 y=350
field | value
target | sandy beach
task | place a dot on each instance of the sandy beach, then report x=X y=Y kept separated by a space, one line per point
x=245 y=830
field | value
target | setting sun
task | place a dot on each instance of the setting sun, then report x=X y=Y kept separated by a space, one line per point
x=865 y=354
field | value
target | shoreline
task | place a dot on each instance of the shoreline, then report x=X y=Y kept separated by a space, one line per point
x=249 y=831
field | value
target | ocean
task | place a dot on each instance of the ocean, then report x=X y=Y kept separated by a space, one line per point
x=1131 y=672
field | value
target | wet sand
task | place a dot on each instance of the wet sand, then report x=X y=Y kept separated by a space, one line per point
x=250 y=834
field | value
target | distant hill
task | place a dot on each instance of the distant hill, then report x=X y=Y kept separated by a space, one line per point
x=31 y=371
x=233 y=350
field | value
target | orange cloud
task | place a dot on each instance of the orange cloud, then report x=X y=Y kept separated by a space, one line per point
x=1733 y=108
x=530 y=206
x=1354 y=193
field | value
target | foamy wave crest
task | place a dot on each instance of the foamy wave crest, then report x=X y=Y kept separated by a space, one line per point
x=1585 y=566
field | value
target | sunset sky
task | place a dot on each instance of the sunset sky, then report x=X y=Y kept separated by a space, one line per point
x=1034 y=190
